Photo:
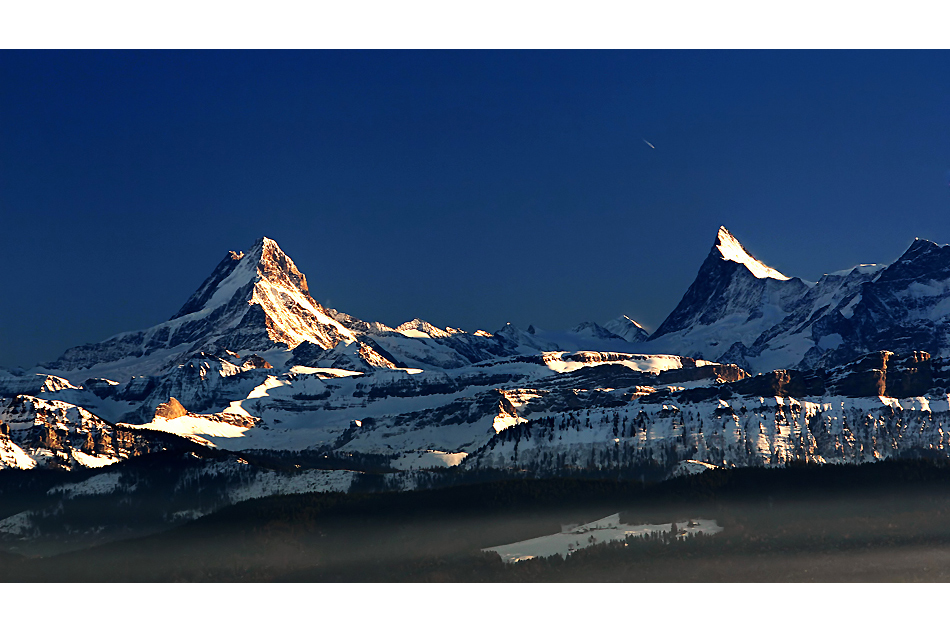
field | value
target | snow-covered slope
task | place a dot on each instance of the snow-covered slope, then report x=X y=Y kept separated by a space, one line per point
x=587 y=336
x=904 y=307
x=802 y=336
x=627 y=329
x=420 y=344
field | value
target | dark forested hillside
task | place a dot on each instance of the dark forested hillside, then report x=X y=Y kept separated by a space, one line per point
x=873 y=522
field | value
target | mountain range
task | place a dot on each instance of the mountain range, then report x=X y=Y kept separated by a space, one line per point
x=253 y=388
x=752 y=366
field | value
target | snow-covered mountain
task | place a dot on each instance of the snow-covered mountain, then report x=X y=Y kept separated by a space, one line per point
x=253 y=302
x=903 y=307
x=733 y=299
x=738 y=310
x=252 y=362
x=253 y=388
x=627 y=329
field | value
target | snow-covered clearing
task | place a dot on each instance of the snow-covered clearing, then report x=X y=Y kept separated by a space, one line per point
x=103 y=484
x=93 y=461
x=195 y=427
x=651 y=363
x=12 y=456
x=18 y=524
x=266 y=484
x=427 y=459
x=689 y=467
x=603 y=530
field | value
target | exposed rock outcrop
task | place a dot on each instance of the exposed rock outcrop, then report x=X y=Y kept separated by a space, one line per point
x=171 y=409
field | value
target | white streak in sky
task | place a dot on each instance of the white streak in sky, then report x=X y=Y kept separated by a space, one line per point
x=648 y=143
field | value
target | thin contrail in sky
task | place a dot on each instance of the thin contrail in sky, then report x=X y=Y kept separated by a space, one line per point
x=648 y=143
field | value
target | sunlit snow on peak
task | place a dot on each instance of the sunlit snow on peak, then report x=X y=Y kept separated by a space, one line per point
x=624 y=316
x=863 y=269
x=732 y=250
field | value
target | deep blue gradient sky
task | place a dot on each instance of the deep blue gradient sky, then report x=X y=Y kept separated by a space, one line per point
x=464 y=188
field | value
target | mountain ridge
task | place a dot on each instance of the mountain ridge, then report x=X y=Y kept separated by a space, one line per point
x=251 y=361
x=738 y=310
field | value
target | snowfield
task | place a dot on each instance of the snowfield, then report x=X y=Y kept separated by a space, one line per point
x=19 y=525
x=198 y=429
x=574 y=538
x=103 y=484
x=266 y=484
x=427 y=459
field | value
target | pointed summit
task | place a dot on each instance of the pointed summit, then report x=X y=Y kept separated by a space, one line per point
x=733 y=299
x=922 y=258
x=265 y=261
x=265 y=280
x=627 y=329
x=731 y=250
x=252 y=302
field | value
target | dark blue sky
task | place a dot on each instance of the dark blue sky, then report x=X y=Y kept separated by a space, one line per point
x=465 y=188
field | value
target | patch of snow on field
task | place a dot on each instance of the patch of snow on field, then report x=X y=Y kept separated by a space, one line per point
x=93 y=461
x=12 y=456
x=18 y=524
x=187 y=515
x=427 y=459
x=690 y=467
x=103 y=484
x=195 y=428
x=273 y=483
x=603 y=530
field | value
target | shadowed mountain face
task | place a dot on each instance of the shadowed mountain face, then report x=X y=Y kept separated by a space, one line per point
x=627 y=329
x=906 y=307
x=740 y=311
x=732 y=301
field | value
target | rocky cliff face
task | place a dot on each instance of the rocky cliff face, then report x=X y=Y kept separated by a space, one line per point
x=881 y=405
x=740 y=431
x=52 y=434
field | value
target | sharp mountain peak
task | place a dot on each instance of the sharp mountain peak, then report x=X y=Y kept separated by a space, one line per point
x=265 y=260
x=730 y=249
